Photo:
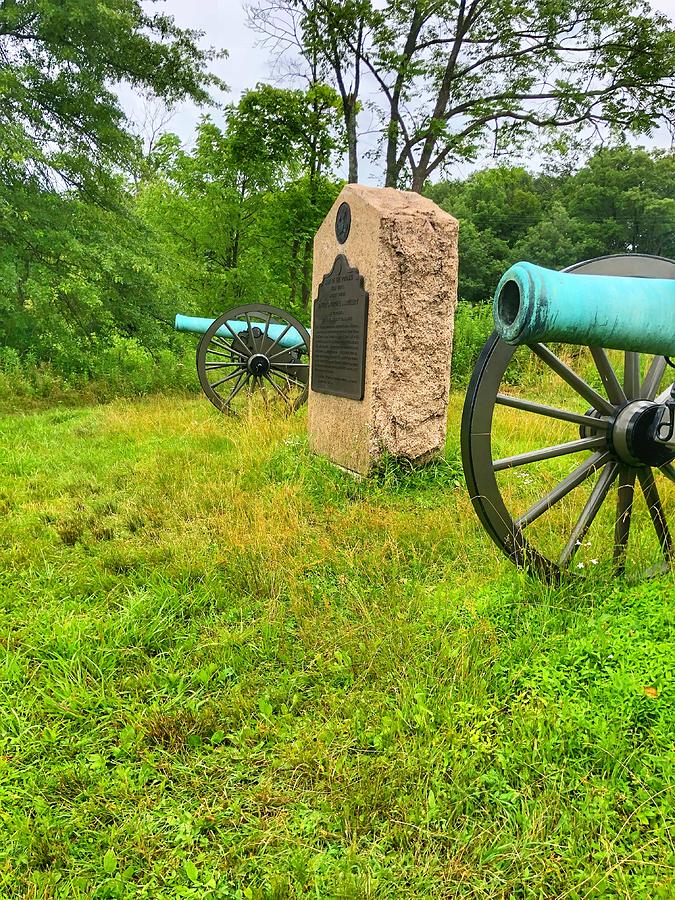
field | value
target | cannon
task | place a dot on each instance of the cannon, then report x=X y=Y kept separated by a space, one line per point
x=568 y=422
x=251 y=349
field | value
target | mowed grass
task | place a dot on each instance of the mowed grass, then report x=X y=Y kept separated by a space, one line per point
x=229 y=670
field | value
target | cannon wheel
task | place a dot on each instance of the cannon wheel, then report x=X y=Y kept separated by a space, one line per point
x=536 y=505
x=247 y=362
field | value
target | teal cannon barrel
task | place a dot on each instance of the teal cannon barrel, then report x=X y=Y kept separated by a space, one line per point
x=537 y=305
x=197 y=325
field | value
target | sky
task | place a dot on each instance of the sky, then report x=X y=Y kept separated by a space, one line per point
x=225 y=27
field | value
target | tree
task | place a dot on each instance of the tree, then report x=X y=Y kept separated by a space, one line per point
x=558 y=240
x=73 y=274
x=626 y=198
x=239 y=212
x=620 y=201
x=456 y=76
x=60 y=121
x=328 y=35
x=496 y=208
x=76 y=265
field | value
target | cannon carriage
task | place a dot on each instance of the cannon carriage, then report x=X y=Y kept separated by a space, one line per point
x=567 y=428
x=252 y=349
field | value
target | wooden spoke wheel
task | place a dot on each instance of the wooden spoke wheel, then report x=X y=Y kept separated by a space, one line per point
x=557 y=453
x=254 y=350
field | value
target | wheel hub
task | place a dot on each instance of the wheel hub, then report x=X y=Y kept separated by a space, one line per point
x=258 y=364
x=631 y=435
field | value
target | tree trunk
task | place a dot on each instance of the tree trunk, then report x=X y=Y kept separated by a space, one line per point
x=392 y=169
x=294 y=271
x=306 y=275
x=237 y=231
x=234 y=251
x=350 y=124
x=419 y=179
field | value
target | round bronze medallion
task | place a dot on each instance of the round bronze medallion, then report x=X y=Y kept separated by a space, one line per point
x=343 y=223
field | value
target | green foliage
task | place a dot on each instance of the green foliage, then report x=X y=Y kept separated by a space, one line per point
x=73 y=275
x=626 y=200
x=239 y=212
x=60 y=119
x=78 y=270
x=120 y=367
x=451 y=79
x=232 y=221
x=93 y=268
x=559 y=240
x=473 y=326
x=228 y=223
x=505 y=201
x=230 y=671
x=496 y=208
x=620 y=201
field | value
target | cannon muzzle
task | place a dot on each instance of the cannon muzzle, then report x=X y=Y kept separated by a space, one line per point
x=537 y=305
x=285 y=337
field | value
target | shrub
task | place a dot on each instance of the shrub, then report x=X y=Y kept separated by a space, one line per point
x=123 y=368
x=473 y=326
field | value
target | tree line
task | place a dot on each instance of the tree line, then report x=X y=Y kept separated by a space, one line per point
x=103 y=242
x=622 y=200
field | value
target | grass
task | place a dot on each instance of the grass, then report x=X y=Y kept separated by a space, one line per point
x=228 y=670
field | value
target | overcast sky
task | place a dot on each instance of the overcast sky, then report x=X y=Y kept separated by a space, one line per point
x=224 y=25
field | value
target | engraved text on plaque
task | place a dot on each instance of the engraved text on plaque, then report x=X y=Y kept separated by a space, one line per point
x=339 y=327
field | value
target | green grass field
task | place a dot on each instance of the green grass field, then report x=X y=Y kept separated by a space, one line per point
x=228 y=670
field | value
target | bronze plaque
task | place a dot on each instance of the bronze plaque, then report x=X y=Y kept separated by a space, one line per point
x=339 y=328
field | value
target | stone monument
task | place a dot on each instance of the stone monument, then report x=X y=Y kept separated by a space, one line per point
x=385 y=291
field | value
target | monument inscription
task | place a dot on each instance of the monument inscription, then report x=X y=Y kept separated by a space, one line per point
x=339 y=333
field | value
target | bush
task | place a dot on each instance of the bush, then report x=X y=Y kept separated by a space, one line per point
x=473 y=326
x=122 y=368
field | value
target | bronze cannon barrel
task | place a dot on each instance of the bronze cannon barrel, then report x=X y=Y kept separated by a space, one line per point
x=536 y=305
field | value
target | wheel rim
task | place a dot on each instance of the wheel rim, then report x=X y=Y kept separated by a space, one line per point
x=253 y=357
x=547 y=507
